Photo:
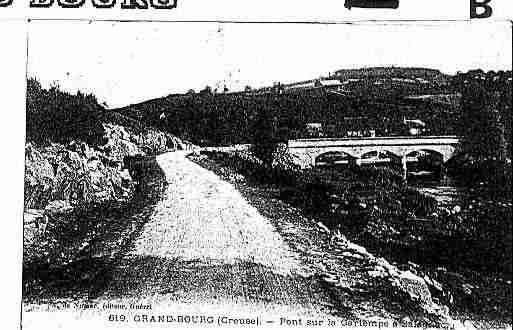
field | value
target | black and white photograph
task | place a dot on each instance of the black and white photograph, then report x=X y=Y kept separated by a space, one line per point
x=222 y=174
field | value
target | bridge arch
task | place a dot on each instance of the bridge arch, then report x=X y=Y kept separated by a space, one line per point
x=334 y=158
x=378 y=153
x=424 y=161
x=441 y=154
x=425 y=152
x=378 y=156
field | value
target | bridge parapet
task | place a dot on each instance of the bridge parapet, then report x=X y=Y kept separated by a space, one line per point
x=374 y=141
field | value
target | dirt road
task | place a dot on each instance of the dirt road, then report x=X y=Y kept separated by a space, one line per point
x=206 y=248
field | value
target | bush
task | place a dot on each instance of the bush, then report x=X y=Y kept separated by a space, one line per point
x=264 y=137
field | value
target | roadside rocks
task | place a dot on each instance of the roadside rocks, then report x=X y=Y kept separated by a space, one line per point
x=34 y=225
x=80 y=174
x=59 y=178
x=352 y=271
x=378 y=275
x=414 y=286
x=33 y=219
x=37 y=224
x=119 y=143
x=81 y=180
x=39 y=177
x=58 y=208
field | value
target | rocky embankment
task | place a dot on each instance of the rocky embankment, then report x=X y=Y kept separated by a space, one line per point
x=70 y=189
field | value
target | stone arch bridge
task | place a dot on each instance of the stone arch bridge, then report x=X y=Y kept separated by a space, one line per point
x=373 y=150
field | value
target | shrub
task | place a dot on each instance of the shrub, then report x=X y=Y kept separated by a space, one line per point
x=264 y=137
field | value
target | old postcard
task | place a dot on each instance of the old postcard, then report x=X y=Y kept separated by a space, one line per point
x=214 y=171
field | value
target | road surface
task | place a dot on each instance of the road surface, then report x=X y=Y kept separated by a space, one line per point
x=206 y=249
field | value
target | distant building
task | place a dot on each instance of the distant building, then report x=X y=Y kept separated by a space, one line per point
x=331 y=130
x=314 y=130
x=414 y=126
x=358 y=126
x=311 y=84
x=327 y=83
x=362 y=133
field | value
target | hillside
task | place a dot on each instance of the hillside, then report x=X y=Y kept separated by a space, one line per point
x=383 y=96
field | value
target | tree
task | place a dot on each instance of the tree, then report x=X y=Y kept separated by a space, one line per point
x=481 y=122
x=264 y=136
x=58 y=116
x=206 y=91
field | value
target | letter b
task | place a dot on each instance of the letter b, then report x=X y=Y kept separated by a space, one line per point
x=475 y=4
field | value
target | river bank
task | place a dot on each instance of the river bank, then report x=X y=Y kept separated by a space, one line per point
x=394 y=234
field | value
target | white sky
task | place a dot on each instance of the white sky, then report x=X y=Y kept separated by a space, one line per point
x=124 y=63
